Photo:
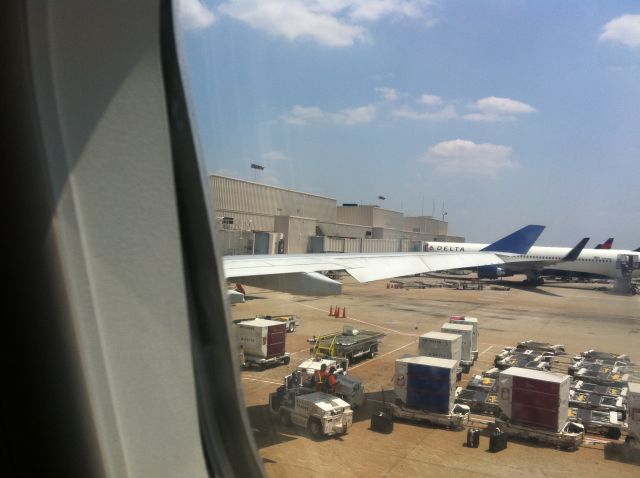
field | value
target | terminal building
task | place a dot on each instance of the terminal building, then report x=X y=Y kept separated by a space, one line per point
x=256 y=218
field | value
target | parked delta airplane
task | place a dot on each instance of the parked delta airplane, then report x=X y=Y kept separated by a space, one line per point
x=540 y=260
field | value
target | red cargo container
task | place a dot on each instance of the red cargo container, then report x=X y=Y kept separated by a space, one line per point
x=262 y=338
x=534 y=398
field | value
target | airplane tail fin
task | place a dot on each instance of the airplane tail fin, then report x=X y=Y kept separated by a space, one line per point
x=518 y=242
x=575 y=252
x=606 y=244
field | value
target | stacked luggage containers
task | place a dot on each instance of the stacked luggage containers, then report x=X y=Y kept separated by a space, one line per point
x=473 y=322
x=466 y=332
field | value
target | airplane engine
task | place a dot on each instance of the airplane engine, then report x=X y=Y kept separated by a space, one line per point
x=491 y=272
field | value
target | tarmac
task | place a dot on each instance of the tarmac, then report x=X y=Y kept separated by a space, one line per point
x=577 y=315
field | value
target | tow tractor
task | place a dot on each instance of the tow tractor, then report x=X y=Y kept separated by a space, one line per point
x=320 y=413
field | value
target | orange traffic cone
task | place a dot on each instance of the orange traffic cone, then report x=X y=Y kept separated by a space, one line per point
x=344 y=312
x=337 y=314
x=331 y=310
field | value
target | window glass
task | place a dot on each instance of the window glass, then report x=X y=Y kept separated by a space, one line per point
x=371 y=126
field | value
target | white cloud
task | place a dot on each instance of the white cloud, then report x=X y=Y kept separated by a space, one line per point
x=194 y=15
x=359 y=115
x=303 y=115
x=497 y=109
x=293 y=20
x=431 y=100
x=462 y=156
x=389 y=94
x=374 y=10
x=446 y=113
x=334 y=23
x=275 y=156
x=624 y=29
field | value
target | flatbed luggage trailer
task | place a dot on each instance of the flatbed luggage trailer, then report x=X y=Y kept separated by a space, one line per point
x=570 y=437
x=456 y=419
x=350 y=343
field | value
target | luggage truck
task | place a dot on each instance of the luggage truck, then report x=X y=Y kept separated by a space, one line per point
x=261 y=342
x=535 y=405
x=425 y=389
x=320 y=413
x=351 y=344
x=466 y=332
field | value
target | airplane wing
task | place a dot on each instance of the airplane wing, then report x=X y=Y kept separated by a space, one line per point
x=362 y=267
x=299 y=273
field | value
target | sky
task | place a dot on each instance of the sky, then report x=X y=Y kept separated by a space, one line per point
x=499 y=113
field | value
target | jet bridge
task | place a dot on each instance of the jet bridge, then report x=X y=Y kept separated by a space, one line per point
x=626 y=264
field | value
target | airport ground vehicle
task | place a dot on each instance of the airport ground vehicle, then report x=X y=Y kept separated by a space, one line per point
x=457 y=417
x=349 y=388
x=609 y=424
x=322 y=414
x=569 y=436
x=350 y=343
x=630 y=450
x=292 y=321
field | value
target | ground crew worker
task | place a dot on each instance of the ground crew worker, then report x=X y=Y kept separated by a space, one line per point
x=319 y=377
x=330 y=382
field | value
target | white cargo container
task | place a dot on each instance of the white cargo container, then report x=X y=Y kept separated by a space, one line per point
x=466 y=332
x=461 y=319
x=440 y=345
x=532 y=398
x=633 y=410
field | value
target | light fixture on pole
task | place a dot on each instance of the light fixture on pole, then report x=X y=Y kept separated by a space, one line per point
x=256 y=168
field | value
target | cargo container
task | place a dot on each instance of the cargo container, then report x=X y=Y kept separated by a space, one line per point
x=440 y=345
x=534 y=399
x=262 y=342
x=465 y=331
x=630 y=450
x=633 y=411
x=461 y=319
x=426 y=383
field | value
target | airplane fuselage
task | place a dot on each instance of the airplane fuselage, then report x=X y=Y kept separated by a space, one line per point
x=590 y=261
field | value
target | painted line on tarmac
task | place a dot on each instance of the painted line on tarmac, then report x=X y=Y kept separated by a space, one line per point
x=397 y=332
x=485 y=351
x=261 y=380
x=380 y=356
